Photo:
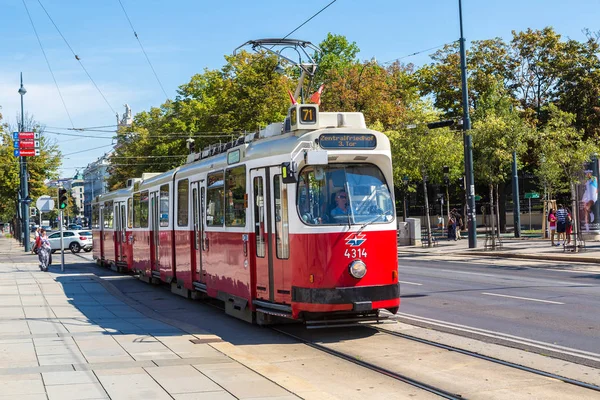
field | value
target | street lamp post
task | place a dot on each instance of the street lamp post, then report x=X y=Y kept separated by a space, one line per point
x=467 y=139
x=24 y=179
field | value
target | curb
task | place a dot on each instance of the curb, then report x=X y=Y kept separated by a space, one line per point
x=548 y=257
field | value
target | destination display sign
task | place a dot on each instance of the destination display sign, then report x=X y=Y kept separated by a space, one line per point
x=348 y=141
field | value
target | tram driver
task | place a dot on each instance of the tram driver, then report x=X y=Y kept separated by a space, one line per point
x=341 y=201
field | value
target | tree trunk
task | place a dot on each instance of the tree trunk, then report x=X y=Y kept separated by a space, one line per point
x=492 y=217
x=574 y=217
x=427 y=220
x=498 y=211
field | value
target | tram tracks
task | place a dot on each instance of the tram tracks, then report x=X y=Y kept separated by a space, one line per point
x=394 y=375
x=434 y=386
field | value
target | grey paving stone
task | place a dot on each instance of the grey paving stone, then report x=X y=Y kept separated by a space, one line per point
x=242 y=382
x=36 y=369
x=68 y=377
x=81 y=391
x=21 y=385
x=182 y=379
x=131 y=384
x=220 y=395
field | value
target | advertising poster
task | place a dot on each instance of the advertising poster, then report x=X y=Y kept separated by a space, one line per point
x=587 y=193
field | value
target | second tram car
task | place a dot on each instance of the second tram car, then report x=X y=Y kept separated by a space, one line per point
x=295 y=221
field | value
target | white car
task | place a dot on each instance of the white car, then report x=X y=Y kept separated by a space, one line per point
x=72 y=240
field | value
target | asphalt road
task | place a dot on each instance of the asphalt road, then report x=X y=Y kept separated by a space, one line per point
x=527 y=299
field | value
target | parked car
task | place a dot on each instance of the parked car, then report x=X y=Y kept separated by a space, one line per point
x=74 y=240
x=74 y=227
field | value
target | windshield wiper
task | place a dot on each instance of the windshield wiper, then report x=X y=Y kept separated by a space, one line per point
x=383 y=214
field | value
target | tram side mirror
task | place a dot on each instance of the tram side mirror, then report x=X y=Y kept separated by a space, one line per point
x=288 y=175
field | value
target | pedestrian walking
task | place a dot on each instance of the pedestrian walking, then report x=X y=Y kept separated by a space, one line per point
x=44 y=251
x=552 y=224
x=561 y=223
x=451 y=227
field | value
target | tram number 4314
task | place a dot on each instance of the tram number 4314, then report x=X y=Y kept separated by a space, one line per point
x=353 y=253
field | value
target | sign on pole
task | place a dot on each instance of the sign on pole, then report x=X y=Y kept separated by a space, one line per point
x=26 y=144
x=532 y=195
x=45 y=204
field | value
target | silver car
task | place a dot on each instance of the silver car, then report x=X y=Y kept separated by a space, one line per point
x=72 y=240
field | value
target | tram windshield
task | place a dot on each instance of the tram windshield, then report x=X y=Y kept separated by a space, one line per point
x=344 y=194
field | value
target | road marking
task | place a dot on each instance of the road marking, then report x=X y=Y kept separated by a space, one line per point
x=500 y=335
x=411 y=283
x=522 y=298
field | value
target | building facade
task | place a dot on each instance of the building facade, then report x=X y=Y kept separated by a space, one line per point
x=95 y=176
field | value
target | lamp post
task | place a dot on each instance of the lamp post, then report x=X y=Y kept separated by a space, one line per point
x=24 y=179
x=467 y=139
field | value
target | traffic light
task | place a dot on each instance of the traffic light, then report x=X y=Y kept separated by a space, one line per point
x=62 y=198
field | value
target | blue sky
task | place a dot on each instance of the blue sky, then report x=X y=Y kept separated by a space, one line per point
x=183 y=37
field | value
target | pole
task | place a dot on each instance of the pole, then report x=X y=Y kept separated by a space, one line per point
x=427 y=220
x=530 y=214
x=516 y=203
x=471 y=212
x=62 y=246
x=25 y=191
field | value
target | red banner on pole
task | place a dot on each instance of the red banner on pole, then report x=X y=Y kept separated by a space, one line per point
x=27 y=152
x=26 y=144
x=26 y=135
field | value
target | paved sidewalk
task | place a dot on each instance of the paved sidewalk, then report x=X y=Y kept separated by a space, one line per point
x=535 y=249
x=68 y=336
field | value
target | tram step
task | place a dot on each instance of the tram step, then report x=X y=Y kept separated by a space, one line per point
x=274 y=313
x=342 y=322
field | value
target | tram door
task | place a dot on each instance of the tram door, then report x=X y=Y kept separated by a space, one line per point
x=154 y=233
x=198 y=227
x=261 y=205
x=120 y=225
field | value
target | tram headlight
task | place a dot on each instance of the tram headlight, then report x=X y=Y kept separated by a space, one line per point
x=357 y=269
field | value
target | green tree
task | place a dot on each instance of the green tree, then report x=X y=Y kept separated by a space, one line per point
x=337 y=55
x=215 y=106
x=563 y=147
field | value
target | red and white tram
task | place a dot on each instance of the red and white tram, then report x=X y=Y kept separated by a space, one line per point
x=295 y=221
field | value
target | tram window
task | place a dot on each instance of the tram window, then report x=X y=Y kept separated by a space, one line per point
x=108 y=215
x=281 y=218
x=344 y=194
x=182 y=202
x=144 y=209
x=259 y=216
x=96 y=216
x=130 y=213
x=215 y=199
x=136 y=210
x=164 y=205
x=235 y=191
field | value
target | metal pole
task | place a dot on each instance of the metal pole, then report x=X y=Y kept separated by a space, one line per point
x=25 y=192
x=471 y=212
x=530 y=214
x=516 y=203
x=62 y=246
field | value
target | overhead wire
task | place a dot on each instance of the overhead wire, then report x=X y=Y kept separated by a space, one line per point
x=77 y=58
x=143 y=50
x=48 y=63
x=308 y=20
x=181 y=135
x=419 y=52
